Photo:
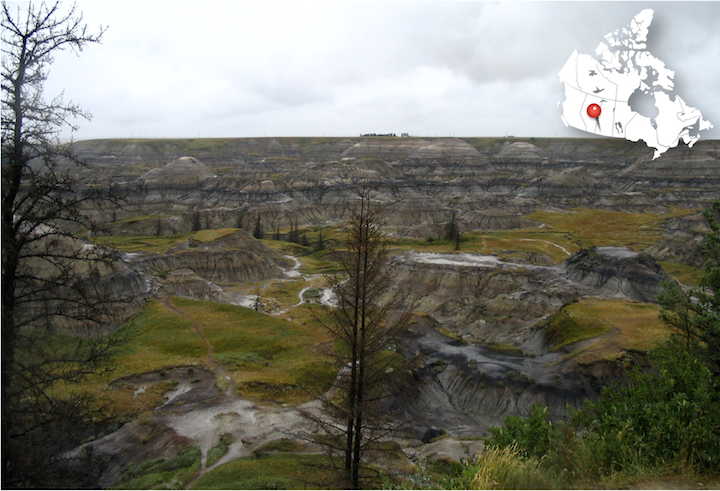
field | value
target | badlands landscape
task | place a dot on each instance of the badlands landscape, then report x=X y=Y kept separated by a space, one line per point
x=546 y=291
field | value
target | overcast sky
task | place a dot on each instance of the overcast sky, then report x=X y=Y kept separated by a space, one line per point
x=264 y=68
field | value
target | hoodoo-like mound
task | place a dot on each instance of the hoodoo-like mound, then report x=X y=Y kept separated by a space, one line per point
x=683 y=241
x=495 y=219
x=570 y=182
x=234 y=257
x=575 y=177
x=266 y=186
x=390 y=149
x=450 y=149
x=99 y=276
x=185 y=171
x=617 y=271
x=679 y=164
x=519 y=152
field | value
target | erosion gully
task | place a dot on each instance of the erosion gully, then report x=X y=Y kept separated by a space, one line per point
x=195 y=410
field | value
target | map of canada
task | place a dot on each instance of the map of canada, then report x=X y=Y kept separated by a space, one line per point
x=623 y=71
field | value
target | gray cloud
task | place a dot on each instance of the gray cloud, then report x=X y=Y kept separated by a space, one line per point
x=341 y=68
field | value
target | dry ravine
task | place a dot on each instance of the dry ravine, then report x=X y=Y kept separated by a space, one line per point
x=465 y=304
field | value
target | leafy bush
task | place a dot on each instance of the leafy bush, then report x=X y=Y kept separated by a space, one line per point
x=531 y=436
x=666 y=417
x=671 y=415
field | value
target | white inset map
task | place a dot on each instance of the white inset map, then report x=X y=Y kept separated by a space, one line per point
x=623 y=68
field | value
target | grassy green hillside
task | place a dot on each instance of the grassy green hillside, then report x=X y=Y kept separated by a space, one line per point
x=269 y=360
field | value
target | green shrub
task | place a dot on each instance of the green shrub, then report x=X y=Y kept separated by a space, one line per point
x=531 y=436
x=664 y=418
x=668 y=415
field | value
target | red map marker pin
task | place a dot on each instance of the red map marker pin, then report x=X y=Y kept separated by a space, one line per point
x=594 y=110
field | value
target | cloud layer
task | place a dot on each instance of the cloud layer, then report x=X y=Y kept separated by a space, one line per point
x=241 y=69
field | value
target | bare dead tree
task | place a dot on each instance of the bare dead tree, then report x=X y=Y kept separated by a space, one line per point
x=366 y=328
x=258 y=230
x=53 y=301
x=452 y=229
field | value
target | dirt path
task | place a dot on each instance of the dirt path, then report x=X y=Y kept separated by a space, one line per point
x=167 y=301
x=548 y=242
x=250 y=425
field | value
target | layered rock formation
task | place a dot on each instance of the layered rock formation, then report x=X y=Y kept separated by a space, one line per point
x=233 y=258
x=490 y=300
x=79 y=285
x=309 y=181
x=482 y=302
x=617 y=272
x=183 y=172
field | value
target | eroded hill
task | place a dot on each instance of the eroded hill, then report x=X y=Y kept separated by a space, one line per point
x=550 y=295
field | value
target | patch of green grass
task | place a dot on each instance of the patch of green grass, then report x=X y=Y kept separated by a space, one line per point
x=213 y=235
x=219 y=450
x=154 y=339
x=157 y=338
x=287 y=247
x=283 y=445
x=630 y=326
x=145 y=243
x=135 y=219
x=687 y=275
x=284 y=293
x=269 y=471
x=311 y=293
x=565 y=328
x=267 y=358
x=319 y=263
x=164 y=474
x=588 y=228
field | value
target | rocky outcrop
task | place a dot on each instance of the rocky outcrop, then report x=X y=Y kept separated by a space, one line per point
x=680 y=165
x=493 y=359
x=490 y=300
x=446 y=149
x=680 y=247
x=235 y=257
x=183 y=172
x=573 y=182
x=483 y=298
x=617 y=272
x=183 y=282
x=386 y=149
x=79 y=285
x=465 y=388
x=683 y=241
x=309 y=180
x=519 y=152
x=494 y=219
